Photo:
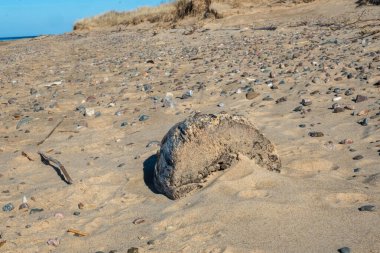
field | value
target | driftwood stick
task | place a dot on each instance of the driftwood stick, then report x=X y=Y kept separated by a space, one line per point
x=51 y=132
x=46 y=159
x=26 y=155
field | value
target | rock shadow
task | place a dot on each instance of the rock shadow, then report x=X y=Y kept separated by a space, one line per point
x=149 y=165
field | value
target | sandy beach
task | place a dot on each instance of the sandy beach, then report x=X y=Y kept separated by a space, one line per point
x=95 y=101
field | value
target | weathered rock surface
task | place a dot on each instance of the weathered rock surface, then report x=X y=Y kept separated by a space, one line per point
x=205 y=143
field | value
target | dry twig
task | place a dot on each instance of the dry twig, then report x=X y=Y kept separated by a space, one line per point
x=51 y=132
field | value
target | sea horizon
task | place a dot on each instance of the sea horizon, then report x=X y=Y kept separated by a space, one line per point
x=18 y=37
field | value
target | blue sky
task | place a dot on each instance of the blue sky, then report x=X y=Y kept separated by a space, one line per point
x=36 y=17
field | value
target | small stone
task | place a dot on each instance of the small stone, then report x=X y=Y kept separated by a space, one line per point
x=138 y=221
x=306 y=102
x=124 y=123
x=298 y=108
x=36 y=210
x=338 y=109
x=302 y=125
x=151 y=242
x=363 y=112
x=349 y=92
x=360 y=98
x=80 y=205
x=76 y=213
x=187 y=94
x=364 y=122
x=133 y=250
x=346 y=141
x=358 y=157
x=53 y=242
x=316 y=134
x=89 y=112
x=8 y=207
x=221 y=105
x=367 y=208
x=143 y=117
x=251 y=95
x=356 y=170
x=337 y=99
x=267 y=98
x=344 y=250
x=281 y=99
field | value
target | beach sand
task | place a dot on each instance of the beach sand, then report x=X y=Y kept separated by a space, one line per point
x=100 y=83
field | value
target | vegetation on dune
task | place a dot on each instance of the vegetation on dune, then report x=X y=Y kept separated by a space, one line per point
x=169 y=12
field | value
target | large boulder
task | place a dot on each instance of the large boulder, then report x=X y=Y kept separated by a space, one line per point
x=203 y=144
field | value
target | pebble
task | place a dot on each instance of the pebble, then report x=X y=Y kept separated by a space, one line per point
x=336 y=99
x=89 y=112
x=302 y=125
x=23 y=121
x=251 y=95
x=346 y=141
x=358 y=157
x=143 y=117
x=349 y=92
x=298 y=108
x=364 y=122
x=36 y=210
x=281 y=99
x=316 y=134
x=360 y=98
x=8 y=207
x=221 y=105
x=267 y=98
x=306 y=102
x=344 y=250
x=168 y=100
x=124 y=123
x=53 y=242
x=367 y=208
x=133 y=250
x=187 y=94
x=76 y=213
x=338 y=109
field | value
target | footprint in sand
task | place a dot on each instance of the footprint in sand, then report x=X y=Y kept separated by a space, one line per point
x=251 y=194
x=346 y=199
x=311 y=165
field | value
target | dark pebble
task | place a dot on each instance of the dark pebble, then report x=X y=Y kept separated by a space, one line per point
x=36 y=210
x=151 y=242
x=124 y=123
x=356 y=170
x=358 y=157
x=143 y=117
x=298 y=108
x=302 y=125
x=360 y=98
x=344 y=250
x=338 y=109
x=8 y=207
x=281 y=99
x=364 y=122
x=76 y=213
x=133 y=250
x=367 y=208
x=316 y=134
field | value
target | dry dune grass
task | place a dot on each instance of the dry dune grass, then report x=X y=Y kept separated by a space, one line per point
x=169 y=12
